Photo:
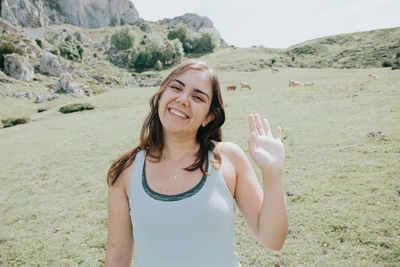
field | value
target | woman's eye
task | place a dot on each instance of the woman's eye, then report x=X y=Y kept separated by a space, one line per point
x=198 y=98
x=176 y=88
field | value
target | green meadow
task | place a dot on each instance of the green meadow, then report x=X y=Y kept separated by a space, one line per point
x=341 y=177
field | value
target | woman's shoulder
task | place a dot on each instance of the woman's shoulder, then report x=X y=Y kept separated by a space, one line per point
x=229 y=150
x=124 y=177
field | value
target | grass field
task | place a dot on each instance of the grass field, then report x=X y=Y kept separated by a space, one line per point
x=342 y=170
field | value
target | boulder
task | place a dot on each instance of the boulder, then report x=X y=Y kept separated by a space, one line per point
x=38 y=99
x=18 y=67
x=50 y=64
x=66 y=84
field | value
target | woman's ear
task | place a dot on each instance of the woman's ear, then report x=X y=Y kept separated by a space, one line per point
x=210 y=117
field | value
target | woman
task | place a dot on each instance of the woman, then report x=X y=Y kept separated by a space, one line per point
x=173 y=194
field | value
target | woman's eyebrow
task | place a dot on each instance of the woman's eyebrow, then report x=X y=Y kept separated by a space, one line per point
x=196 y=90
x=201 y=92
x=180 y=82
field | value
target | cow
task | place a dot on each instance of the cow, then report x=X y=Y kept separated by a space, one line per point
x=293 y=83
x=373 y=76
x=231 y=87
x=309 y=84
x=245 y=85
x=274 y=70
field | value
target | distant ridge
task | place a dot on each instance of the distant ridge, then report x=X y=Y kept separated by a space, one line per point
x=353 y=50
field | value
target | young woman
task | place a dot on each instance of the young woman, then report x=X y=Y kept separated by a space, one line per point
x=172 y=197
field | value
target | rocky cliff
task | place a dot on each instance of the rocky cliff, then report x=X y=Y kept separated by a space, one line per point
x=84 y=13
x=194 y=22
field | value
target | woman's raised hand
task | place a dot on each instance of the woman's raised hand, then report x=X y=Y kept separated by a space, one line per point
x=267 y=151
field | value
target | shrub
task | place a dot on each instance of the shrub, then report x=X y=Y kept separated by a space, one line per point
x=76 y=107
x=147 y=54
x=205 y=42
x=158 y=66
x=39 y=43
x=386 y=64
x=182 y=33
x=123 y=38
x=41 y=110
x=71 y=49
x=273 y=61
x=13 y=122
x=173 y=51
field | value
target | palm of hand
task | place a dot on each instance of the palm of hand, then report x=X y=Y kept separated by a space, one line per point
x=267 y=151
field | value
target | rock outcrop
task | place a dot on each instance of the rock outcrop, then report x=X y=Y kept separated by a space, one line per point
x=50 y=64
x=18 y=67
x=84 y=13
x=194 y=22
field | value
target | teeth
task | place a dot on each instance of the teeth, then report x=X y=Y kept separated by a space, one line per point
x=177 y=113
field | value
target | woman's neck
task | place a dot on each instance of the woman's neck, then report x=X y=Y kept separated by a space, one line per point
x=178 y=148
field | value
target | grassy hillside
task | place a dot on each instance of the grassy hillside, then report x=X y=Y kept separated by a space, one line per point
x=356 y=50
x=341 y=170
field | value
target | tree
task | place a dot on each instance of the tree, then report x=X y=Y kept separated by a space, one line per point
x=182 y=33
x=123 y=38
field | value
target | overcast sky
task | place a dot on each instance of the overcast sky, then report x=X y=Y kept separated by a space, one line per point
x=279 y=23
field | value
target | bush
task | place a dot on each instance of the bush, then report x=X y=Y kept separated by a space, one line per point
x=147 y=54
x=13 y=122
x=76 y=107
x=123 y=38
x=182 y=33
x=205 y=42
x=158 y=66
x=39 y=43
x=173 y=51
x=71 y=49
x=41 y=110
x=386 y=64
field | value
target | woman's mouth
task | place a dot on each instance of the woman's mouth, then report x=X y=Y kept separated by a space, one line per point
x=177 y=113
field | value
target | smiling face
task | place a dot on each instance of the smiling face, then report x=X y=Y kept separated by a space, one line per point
x=184 y=105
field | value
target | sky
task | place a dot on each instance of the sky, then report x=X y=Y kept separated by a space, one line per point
x=279 y=23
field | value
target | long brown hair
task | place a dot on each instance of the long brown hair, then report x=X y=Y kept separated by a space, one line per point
x=151 y=135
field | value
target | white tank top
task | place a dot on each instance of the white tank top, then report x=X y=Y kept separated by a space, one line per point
x=197 y=231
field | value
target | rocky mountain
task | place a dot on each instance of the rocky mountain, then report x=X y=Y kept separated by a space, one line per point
x=84 y=13
x=194 y=22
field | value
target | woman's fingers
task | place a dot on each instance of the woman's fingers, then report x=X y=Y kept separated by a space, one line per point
x=279 y=134
x=267 y=127
x=252 y=143
x=260 y=128
x=252 y=124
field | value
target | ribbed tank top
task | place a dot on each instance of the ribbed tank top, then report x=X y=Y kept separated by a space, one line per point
x=196 y=231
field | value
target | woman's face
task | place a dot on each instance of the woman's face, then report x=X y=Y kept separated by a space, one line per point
x=185 y=103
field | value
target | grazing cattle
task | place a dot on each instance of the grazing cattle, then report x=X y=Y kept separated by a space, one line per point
x=231 y=87
x=293 y=83
x=309 y=84
x=245 y=85
x=373 y=76
x=274 y=70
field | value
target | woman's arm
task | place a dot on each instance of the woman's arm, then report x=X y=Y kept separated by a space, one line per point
x=120 y=238
x=264 y=209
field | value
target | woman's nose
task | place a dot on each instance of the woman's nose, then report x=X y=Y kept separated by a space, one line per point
x=182 y=99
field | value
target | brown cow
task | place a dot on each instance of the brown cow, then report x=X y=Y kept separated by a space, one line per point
x=274 y=70
x=293 y=83
x=231 y=87
x=309 y=84
x=245 y=85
